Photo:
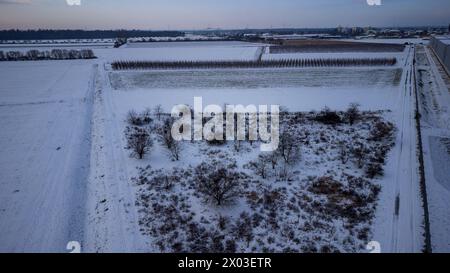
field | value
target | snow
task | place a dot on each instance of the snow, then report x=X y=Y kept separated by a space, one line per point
x=162 y=51
x=66 y=175
x=111 y=222
x=397 y=233
x=295 y=99
x=435 y=110
x=44 y=144
x=364 y=78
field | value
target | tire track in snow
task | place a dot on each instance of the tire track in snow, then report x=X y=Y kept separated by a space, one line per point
x=404 y=230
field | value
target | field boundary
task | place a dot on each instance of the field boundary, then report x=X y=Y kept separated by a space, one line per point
x=423 y=184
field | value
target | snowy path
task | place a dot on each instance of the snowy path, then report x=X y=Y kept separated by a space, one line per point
x=112 y=223
x=407 y=217
x=399 y=216
x=44 y=150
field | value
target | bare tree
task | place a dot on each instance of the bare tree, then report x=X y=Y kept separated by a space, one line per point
x=352 y=114
x=260 y=166
x=158 y=111
x=289 y=147
x=165 y=136
x=217 y=182
x=139 y=141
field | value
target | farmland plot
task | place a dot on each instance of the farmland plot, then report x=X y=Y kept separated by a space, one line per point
x=126 y=203
x=255 y=79
x=44 y=154
x=300 y=90
x=321 y=199
x=194 y=51
x=434 y=101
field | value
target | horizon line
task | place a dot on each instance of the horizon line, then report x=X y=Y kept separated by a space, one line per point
x=221 y=29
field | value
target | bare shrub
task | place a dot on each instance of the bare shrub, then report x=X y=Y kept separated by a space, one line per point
x=374 y=169
x=230 y=246
x=352 y=114
x=326 y=116
x=360 y=152
x=260 y=166
x=136 y=119
x=243 y=229
x=381 y=130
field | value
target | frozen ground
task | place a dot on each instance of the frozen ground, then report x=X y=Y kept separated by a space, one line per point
x=398 y=225
x=55 y=145
x=364 y=78
x=435 y=111
x=45 y=119
x=181 y=51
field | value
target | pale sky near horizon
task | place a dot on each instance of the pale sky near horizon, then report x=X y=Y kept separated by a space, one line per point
x=201 y=14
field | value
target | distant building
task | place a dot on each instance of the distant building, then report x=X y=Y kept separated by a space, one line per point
x=441 y=46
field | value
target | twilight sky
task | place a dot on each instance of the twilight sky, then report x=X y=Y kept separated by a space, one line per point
x=200 y=14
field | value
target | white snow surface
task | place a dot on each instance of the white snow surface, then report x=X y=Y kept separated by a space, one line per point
x=66 y=175
x=170 y=51
x=44 y=145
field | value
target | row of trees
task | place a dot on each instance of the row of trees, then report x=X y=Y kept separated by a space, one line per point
x=129 y=65
x=55 y=54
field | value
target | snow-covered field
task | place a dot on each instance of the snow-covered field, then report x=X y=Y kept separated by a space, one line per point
x=364 y=78
x=333 y=88
x=45 y=111
x=435 y=111
x=166 y=51
x=67 y=175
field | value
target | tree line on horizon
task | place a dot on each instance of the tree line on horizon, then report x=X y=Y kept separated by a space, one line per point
x=47 y=34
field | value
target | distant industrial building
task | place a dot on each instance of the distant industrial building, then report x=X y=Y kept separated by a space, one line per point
x=441 y=46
